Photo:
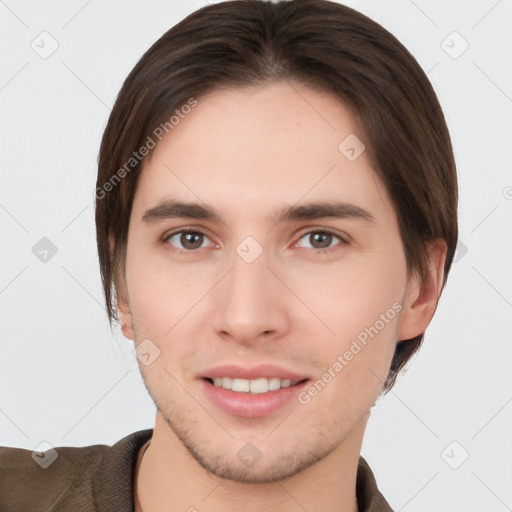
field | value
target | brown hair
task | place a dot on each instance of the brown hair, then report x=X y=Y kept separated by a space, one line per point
x=314 y=42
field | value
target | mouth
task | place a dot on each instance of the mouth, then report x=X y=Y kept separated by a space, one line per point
x=252 y=392
x=252 y=386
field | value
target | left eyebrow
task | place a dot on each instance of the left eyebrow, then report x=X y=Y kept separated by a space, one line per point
x=169 y=208
x=323 y=210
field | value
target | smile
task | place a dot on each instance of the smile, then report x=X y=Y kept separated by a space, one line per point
x=253 y=386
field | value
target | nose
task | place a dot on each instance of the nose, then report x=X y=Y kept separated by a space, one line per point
x=252 y=302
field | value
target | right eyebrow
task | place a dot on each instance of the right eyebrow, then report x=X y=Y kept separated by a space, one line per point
x=169 y=209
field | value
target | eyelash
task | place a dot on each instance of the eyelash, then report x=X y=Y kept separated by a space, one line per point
x=167 y=237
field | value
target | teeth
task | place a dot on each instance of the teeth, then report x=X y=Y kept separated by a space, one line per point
x=274 y=384
x=258 y=386
x=240 y=385
x=255 y=386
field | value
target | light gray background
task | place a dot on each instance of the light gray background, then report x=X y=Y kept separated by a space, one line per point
x=67 y=380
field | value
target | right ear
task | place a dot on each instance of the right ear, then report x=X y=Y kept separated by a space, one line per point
x=123 y=304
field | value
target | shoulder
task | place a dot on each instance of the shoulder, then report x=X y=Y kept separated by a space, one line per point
x=37 y=479
x=63 y=477
x=369 y=497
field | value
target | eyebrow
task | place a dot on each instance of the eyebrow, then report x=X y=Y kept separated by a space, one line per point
x=170 y=208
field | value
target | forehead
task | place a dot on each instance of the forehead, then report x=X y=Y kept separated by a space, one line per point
x=255 y=149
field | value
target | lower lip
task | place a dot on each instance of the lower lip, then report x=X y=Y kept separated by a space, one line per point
x=249 y=405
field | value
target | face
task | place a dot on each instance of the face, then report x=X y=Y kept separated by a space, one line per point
x=261 y=252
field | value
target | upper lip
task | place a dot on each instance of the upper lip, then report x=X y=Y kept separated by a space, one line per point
x=251 y=373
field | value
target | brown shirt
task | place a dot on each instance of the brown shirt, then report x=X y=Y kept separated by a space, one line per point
x=101 y=478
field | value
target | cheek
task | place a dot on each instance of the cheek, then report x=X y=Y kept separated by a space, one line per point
x=354 y=295
x=361 y=305
x=355 y=364
x=164 y=297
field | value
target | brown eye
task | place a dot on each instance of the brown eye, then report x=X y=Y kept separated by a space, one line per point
x=319 y=240
x=191 y=240
x=187 y=240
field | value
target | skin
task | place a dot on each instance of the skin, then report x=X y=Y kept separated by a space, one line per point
x=246 y=153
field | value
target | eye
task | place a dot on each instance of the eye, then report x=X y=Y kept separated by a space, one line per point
x=187 y=241
x=320 y=240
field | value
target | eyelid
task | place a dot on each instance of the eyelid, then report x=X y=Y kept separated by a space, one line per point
x=317 y=229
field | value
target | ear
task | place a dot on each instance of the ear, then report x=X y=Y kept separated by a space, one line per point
x=123 y=304
x=422 y=296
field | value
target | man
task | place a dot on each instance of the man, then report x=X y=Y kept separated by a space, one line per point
x=276 y=219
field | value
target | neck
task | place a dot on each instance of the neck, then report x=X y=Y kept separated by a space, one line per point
x=170 y=479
